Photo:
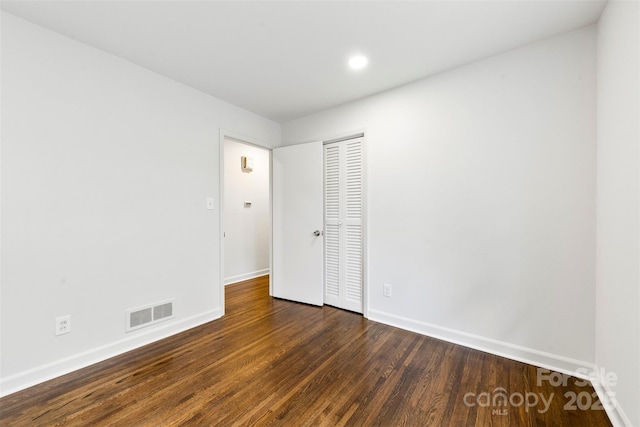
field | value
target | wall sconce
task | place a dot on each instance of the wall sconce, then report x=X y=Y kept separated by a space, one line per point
x=246 y=164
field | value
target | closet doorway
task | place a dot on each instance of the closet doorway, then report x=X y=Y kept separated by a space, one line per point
x=343 y=224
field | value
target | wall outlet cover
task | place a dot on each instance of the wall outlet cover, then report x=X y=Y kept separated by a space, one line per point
x=387 y=290
x=63 y=325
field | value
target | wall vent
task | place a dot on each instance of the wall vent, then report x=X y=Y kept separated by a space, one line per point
x=141 y=317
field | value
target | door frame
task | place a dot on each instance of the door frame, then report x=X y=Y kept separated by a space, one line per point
x=327 y=139
x=224 y=134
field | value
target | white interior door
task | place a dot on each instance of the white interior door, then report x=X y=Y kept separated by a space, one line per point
x=343 y=199
x=297 y=214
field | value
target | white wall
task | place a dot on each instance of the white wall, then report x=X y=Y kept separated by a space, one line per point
x=246 y=242
x=481 y=186
x=481 y=201
x=105 y=170
x=618 y=228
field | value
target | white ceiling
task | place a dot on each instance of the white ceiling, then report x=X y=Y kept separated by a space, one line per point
x=284 y=60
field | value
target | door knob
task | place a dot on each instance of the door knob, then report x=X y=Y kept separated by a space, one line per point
x=318 y=233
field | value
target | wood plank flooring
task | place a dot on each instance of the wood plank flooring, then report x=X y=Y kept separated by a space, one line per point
x=270 y=362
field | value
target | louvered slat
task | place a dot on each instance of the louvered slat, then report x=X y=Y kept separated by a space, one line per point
x=343 y=224
x=332 y=261
x=353 y=270
x=332 y=183
x=353 y=177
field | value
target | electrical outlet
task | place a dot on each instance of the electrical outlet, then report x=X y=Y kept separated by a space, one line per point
x=63 y=325
x=386 y=290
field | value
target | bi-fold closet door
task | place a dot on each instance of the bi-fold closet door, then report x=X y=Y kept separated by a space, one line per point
x=343 y=225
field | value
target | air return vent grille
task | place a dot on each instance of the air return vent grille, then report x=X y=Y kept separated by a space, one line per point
x=140 y=317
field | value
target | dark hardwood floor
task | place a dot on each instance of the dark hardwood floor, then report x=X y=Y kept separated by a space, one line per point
x=274 y=362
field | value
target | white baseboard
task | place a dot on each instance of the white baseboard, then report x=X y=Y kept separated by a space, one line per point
x=616 y=414
x=527 y=355
x=23 y=380
x=554 y=362
x=245 y=276
x=40 y=374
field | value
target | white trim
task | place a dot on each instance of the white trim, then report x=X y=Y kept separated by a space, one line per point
x=519 y=353
x=616 y=414
x=243 y=139
x=527 y=355
x=360 y=132
x=246 y=276
x=270 y=220
x=132 y=341
x=221 y=236
x=344 y=138
x=365 y=223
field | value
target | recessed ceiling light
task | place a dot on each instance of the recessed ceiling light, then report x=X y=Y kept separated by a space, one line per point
x=358 y=62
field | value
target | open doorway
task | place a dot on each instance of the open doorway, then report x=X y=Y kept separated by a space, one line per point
x=246 y=210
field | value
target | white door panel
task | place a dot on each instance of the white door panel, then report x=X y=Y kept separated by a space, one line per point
x=343 y=195
x=297 y=212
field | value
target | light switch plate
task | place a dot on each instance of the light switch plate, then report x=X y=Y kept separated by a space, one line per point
x=210 y=203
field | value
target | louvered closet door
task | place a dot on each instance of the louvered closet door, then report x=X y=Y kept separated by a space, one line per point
x=343 y=224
